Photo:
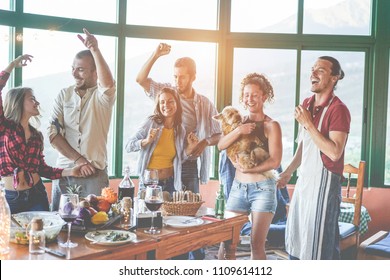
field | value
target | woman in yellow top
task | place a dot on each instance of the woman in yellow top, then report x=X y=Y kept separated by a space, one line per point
x=160 y=142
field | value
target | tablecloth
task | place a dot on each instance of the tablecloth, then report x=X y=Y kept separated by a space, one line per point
x=346 y=216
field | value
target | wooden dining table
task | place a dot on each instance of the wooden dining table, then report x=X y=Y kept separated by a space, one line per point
x=169 y=242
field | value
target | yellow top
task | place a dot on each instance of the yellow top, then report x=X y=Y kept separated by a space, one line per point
x=165 y=150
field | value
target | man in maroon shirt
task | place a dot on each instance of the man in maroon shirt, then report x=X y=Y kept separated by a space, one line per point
x=312 y=224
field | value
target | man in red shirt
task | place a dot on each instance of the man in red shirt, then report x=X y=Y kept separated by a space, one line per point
x=312 y=225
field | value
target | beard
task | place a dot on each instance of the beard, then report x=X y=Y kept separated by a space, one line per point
x=184 y=89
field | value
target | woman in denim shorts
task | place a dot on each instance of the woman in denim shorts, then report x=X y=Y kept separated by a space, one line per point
x=254 y=190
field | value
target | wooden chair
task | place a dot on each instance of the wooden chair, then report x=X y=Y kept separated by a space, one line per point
x=377 y=247
x=349 y=233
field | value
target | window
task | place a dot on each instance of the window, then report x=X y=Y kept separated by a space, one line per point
x=337 y=17
x=97 y=10
x=5 y=5
x=201 y=14
x=387 y=159
x=264 y=16
x=279 y=66
x=137 y=105
x=50 y=72
x=4 y=52
x=350 y=90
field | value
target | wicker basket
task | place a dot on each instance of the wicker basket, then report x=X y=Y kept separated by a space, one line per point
x=183 y=208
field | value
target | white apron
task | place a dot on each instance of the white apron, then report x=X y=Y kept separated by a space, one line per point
x=307 y=217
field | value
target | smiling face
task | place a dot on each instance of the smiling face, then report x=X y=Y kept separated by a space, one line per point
x=253 y=97
x=30 y=105
x=84 y=73
x=321 y=78
x=167 y=105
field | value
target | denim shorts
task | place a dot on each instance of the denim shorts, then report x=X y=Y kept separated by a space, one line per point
x=257 y=197
x=33 y=199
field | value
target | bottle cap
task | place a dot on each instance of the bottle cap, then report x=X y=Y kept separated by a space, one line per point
x=36 y=224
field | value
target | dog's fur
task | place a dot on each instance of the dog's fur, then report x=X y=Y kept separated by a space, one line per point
x=248 y=148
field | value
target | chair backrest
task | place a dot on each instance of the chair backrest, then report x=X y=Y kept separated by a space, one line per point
x=357 y=198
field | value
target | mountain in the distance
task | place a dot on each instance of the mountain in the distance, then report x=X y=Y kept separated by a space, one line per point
x=348 y=17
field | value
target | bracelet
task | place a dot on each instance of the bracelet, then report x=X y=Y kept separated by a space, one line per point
x=77 y=159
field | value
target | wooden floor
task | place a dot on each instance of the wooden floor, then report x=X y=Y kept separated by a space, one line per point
x=244 y=251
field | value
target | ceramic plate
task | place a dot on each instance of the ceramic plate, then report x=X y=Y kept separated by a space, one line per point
x=182 y=221
x=110 y=237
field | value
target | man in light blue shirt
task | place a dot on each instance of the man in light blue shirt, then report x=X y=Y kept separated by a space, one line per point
x=197 y=114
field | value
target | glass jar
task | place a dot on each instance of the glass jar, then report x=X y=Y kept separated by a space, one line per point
x=126 y=213
x=37 y=242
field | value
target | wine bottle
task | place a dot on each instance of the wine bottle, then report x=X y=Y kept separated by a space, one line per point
x=126 y=186
x=220 y=203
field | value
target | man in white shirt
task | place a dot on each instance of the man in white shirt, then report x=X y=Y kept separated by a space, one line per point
x=81 y=119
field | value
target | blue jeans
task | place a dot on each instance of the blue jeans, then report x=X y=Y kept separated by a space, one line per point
x=90 y=185
x=227 y=172
x=189 y=175
x=34 y=199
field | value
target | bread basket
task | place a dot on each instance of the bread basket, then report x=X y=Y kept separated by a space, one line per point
x=182 y=208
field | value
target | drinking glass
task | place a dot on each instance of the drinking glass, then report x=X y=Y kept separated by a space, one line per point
x=150 y=177
x=69 y=210
x=153 y=201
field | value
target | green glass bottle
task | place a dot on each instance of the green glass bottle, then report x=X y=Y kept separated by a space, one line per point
x=220 y=203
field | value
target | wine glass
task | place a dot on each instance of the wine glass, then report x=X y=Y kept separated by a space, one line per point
x=69 y=209
x=153 y=201
x=150 y=177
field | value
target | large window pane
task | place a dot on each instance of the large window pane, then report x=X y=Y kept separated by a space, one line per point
x=97 y=10
x=350 y=90
x=387 y=160
x=280 y=68
x=199 y=14
x=345 y=17
x=50 y=71
x=137 y=105
x=5 y=5
x=4 y=52
x=277 y=16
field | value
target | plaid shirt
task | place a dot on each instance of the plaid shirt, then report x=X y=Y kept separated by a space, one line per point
x=15 y=153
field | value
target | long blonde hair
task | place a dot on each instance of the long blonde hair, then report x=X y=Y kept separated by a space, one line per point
x=14 y=105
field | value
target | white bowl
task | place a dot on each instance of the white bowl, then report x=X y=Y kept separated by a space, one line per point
x=52 y=224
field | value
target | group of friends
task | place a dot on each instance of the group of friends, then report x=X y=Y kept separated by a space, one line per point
x=177 y=139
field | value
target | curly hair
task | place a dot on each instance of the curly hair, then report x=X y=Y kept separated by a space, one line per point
x=260 y=80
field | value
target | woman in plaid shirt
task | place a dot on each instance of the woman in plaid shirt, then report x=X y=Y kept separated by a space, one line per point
x=21 y=148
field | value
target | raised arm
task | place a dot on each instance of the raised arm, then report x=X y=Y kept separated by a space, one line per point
x=104 y=75
x=18 y=62
x=143 y=75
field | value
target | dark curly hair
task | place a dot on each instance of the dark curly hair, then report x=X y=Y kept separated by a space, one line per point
x=260 y=80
